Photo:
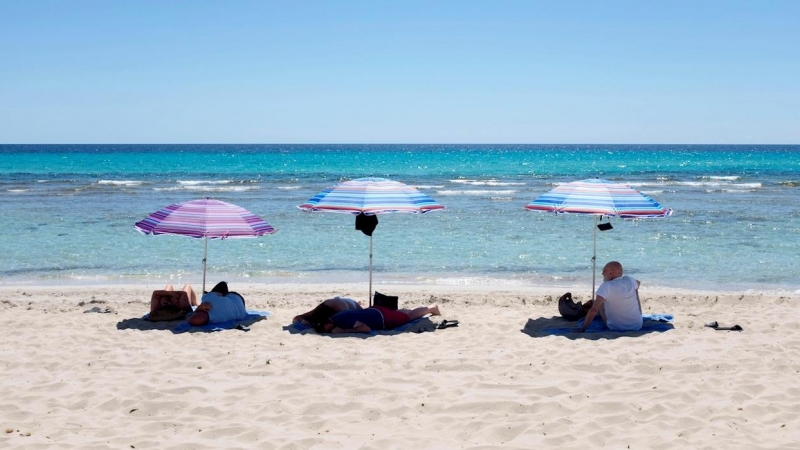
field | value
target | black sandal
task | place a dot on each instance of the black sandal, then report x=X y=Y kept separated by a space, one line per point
x=447 y=324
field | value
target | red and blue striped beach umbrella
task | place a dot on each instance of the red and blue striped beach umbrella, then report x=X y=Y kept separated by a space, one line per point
x=204 y=218
x=598 y=197
x=371 y=196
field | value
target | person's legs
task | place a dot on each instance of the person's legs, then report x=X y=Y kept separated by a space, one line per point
x=422 y=311
x=169 y=288
x=190 y=293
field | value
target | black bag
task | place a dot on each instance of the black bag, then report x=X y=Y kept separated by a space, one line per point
x=366 y=223
x=386 y=301
x=570 y=310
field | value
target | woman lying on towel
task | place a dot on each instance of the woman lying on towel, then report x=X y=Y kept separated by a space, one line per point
x=169 y=304
x=219 y=305
x=373 y=318
x=326 y=309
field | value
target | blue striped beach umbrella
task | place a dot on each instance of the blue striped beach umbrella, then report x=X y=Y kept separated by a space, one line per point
x=369 y=197
x=207 y=219
x=598 y=197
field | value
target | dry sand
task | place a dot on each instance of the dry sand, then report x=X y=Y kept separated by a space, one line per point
x=108 y=380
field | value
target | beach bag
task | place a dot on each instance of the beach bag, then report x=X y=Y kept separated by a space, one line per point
x=386 y=301
x=571 y=310
x=366 y=224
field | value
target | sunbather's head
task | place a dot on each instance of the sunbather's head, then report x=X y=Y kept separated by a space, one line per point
x=320 y=317
x=325 y=327
x=221 y=288
x=612 y=270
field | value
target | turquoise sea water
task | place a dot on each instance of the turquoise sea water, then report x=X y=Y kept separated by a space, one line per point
x=67 y=212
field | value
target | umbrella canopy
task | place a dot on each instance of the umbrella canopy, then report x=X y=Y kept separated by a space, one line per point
x=599 y=198
x=204 y=218
x=371 y=196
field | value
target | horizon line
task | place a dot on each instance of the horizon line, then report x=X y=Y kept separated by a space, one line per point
x=395 y=143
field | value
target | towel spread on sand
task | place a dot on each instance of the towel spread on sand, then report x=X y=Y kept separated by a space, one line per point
x=252 y=317
x=650 y=323
x=417 y=325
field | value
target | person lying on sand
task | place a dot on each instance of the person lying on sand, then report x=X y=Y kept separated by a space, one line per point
x=219 y=305
x=169 y=297
x=333 y=305
x=373 y=318
x=617 y=301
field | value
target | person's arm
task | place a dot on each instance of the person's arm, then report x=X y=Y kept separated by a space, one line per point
x=598 y=302
x=200 y=315
x=302 y=318
x=358 y=327
x=155 y=301
x=638 y=300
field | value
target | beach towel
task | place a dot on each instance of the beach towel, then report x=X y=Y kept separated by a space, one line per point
x=650 y=323
x=415 y=326
x=253 y=316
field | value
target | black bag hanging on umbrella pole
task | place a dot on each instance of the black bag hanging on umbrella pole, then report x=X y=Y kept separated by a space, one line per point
x=366 y=223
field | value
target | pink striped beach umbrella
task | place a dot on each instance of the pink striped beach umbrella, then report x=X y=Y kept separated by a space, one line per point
x=204 y=218
x=598 y=198
x=369 y=197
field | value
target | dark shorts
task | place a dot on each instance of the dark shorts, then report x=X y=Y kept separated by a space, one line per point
x=391 y=318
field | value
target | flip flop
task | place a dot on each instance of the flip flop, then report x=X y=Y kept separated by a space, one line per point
x=733 y=328
x=712 y=324
x=447 y=324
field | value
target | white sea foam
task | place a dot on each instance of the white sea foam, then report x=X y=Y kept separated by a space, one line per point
x=209 y=188
x=423 y=186
x=490 y=182
x=478 y=281
x=475 y=192
x=289 y=188
x=201 y=182
x=699 y=184
x=16 y=191
x=728 y=178
x=120 y=182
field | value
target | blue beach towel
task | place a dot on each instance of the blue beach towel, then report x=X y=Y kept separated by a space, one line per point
x=298 y=327
x=253 y=316
x=650 y=323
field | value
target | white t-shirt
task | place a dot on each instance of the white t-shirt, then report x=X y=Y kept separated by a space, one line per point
x=622 y=304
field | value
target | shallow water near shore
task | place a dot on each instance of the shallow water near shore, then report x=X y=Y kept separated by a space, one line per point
x=68 y=212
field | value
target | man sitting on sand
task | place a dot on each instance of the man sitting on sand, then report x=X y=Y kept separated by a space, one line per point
x=373 y=318
x=617 y=301
x=332 y=306
x=219 y=305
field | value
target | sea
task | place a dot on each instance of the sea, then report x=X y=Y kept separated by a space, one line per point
x=67 y=214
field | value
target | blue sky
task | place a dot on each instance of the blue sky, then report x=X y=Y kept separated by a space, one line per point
x=498 y=71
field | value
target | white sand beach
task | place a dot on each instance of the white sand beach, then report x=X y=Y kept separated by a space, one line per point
x=72 y=379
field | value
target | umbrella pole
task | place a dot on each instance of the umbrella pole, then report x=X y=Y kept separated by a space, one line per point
x=594 y=254
x=205 y=255
x=369 y=294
